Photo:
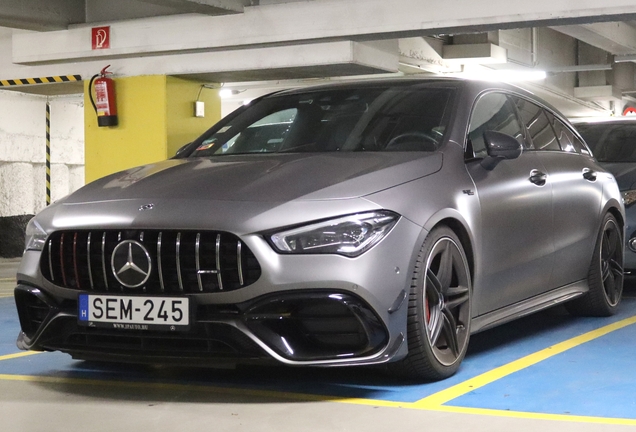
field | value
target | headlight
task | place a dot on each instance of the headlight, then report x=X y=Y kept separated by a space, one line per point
x=35 y=236
x=348 y=235
x=629 y=197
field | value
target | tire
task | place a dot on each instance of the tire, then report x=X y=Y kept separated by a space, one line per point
x=438 y=322
x=605 y=276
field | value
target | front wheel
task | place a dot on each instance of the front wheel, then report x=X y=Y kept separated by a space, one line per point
x=605 y=276
x=439 y=309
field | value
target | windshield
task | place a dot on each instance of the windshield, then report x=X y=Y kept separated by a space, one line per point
x=358 y=119
x=610 y=142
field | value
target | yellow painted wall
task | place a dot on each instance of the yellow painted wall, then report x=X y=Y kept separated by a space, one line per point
x=140 y=137
x=156 y=118
x=183 y=127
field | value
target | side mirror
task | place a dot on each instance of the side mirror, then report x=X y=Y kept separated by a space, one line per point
x=500 y=146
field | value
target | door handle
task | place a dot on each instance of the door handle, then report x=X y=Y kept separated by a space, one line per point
x=589 y=175
x=537 y=177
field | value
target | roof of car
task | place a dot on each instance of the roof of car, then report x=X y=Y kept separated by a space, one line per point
x=406 y=82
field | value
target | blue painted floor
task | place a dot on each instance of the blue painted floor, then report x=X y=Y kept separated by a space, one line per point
x=597 y=378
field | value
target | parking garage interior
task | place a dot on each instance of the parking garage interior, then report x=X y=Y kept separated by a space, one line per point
x=179 y=66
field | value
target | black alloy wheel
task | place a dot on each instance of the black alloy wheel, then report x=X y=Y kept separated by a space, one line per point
x=605 y=277
x=439 y=308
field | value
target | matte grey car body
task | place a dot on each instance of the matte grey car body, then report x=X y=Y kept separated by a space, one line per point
x=471 y=212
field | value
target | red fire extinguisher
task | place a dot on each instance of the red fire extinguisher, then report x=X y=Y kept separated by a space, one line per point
x=104 y=102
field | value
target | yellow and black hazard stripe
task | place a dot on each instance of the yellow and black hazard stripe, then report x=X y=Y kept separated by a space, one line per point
x=41 y=80
x=48 y=153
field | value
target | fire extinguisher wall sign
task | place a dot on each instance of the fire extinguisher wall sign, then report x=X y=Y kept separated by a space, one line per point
x=104 y=102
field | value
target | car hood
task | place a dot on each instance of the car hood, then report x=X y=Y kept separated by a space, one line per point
x=263 y=178
x=624 y=172
x=241 y=194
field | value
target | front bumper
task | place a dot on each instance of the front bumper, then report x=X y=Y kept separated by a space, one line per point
x=309 y=327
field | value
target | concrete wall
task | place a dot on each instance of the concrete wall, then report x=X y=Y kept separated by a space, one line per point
x=23 y=158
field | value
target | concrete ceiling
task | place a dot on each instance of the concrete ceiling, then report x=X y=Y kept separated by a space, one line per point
x=587 y=52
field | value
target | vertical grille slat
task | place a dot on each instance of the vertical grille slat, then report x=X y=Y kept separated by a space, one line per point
x=186 y=261
x=88 y=259
x=239 y=262
x=218 y=262
x=62 y=260
x=51 y=272
x=76 y=273
x=159 y=265
x=197 y=258
x=104 y=261
x=178 y=253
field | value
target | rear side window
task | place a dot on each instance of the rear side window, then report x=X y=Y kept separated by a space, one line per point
x=537 y=124
x=569 y=142
x=492 y=112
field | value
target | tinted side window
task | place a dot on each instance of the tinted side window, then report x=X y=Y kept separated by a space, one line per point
x=564 y=135
x=493 y=112
x=537 y=124
x=569 y=141
x=578 y=144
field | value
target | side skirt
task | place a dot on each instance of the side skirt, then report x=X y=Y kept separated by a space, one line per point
x=529 y=306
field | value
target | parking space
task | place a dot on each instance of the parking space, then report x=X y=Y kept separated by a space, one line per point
x=547 y=366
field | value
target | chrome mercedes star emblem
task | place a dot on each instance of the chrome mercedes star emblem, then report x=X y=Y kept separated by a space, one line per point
x=131 y=264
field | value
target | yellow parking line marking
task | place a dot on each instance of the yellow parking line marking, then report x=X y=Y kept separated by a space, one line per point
x=534 y=416
x=7 y=279
x=467 y=386
x=6 y=296
x=18 y=355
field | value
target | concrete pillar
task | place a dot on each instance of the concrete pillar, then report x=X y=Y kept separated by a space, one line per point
x=22 y=158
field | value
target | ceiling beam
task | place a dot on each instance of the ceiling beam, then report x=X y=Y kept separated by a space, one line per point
x=613 y=37
x=41 y=14
x=299 y=22
x=208 y=7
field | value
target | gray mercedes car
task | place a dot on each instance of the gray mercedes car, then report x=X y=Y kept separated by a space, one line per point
x=378 y=222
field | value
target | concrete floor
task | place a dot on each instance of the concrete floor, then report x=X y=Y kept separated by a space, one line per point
x=51 y=392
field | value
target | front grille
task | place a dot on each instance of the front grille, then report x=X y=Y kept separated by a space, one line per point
x=181 y=261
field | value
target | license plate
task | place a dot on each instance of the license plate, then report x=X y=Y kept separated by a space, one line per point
x=134 y=312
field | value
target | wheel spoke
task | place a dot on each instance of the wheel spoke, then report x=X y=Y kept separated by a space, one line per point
x=433 y=283
x=445 y=272
x=605 y=246
x=616 y=268
x=610 y=287
x=436 y=327
x=457 y=301
x=605 y=270
x=455 y=291
x=613 y=238
x=450 y=332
